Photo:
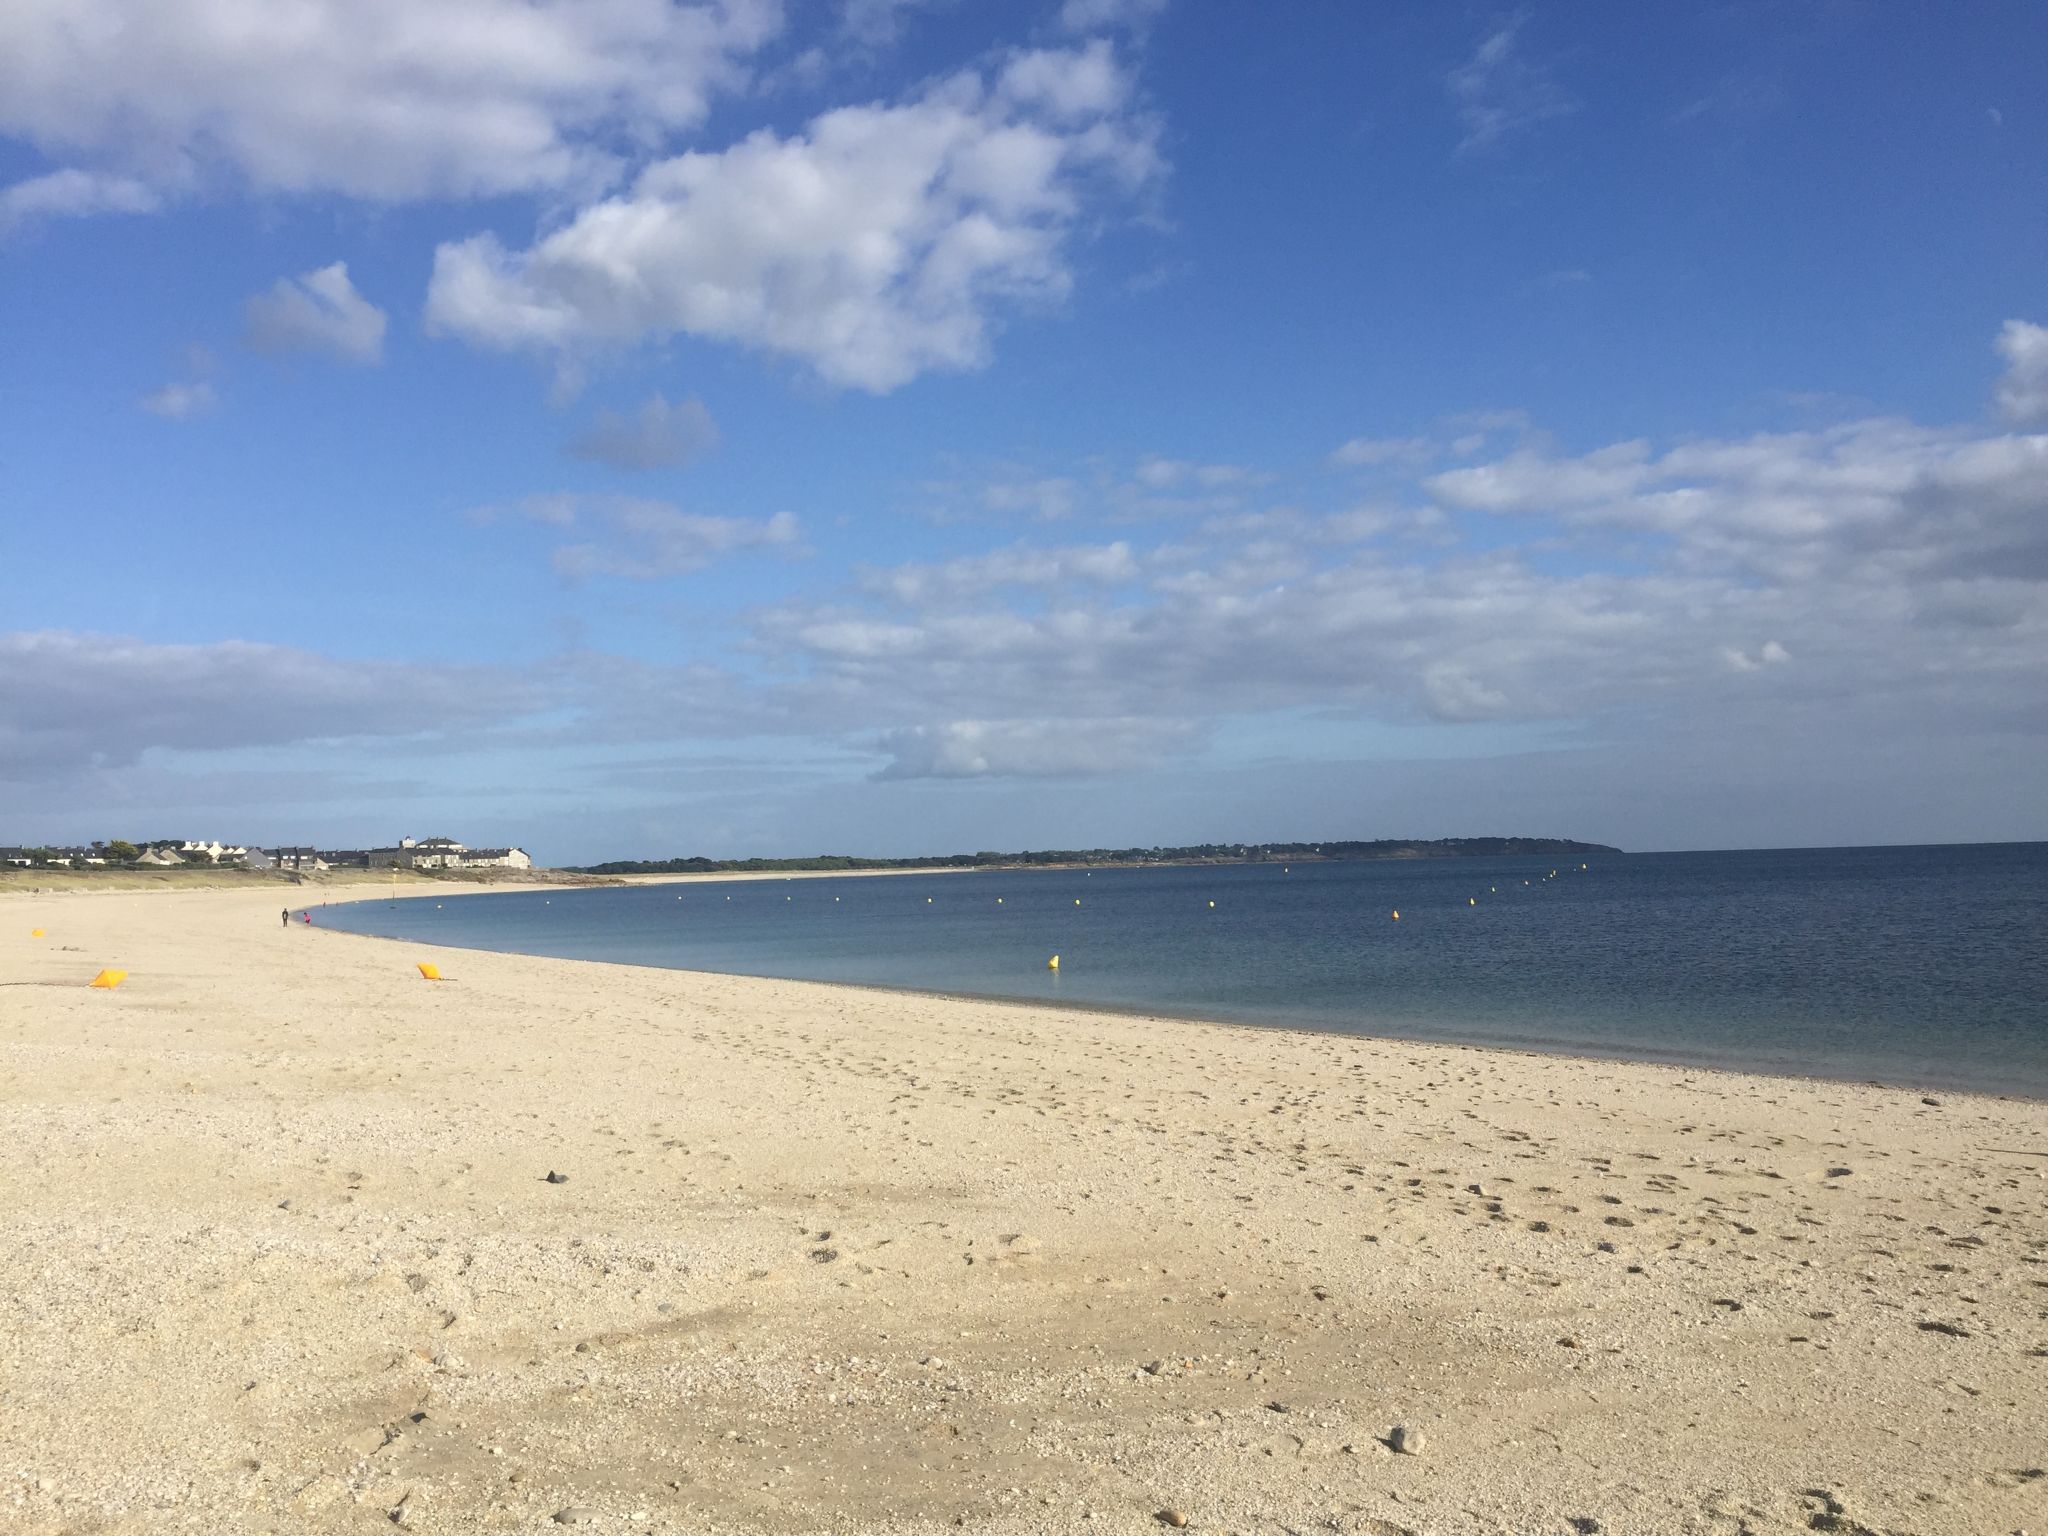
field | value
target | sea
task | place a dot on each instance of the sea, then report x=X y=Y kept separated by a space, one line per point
x=1923 y=966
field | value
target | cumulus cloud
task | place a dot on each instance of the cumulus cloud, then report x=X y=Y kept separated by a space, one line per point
x=656 y=436
x=1501 y=90
x=978 y=749
x=388 y=100
x=180 y=402
x=2023 y=391
x=70 y=701
x=876 y=245
x=318 y=311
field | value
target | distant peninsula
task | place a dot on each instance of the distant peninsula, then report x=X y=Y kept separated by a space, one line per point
x=1196 y=853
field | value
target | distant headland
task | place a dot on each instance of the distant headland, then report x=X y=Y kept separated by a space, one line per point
x=1194 y=853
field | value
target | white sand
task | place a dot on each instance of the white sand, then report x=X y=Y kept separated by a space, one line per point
x=279 y=1256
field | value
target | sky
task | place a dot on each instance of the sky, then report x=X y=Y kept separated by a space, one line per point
x=626 y=428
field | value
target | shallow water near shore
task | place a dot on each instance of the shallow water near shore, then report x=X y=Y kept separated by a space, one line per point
x=1924 y=966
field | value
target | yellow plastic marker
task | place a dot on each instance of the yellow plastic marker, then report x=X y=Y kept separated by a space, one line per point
x=109 y=979
x=35 y=933
x=1397 y=916
x=429 y=970
x=1053 y=964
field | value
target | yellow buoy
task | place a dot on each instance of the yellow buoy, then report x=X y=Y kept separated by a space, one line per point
x=1212 y=906
x=1471 y=901
x=1077 y=901
x=999 y=901
x=109 y=979
x=429 y=970
x=1397 y=916
x=35 y=933
x=1053 y=964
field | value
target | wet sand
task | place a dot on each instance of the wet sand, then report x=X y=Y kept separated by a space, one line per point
x=282 y=1256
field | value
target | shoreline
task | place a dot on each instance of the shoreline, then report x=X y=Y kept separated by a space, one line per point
x=1568 y=1050
x=833 y=1258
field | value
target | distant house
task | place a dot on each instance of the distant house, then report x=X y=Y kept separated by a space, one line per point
x=159 y=858
x=213 y=852
x=21 y=858
x=497 y=858
x=292 y=858
x=444 y=853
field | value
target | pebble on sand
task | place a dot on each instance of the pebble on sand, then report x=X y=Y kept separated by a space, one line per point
x=1172 y=1517
x=557 y=1178
x=575 y=1515
x=1405 y=1441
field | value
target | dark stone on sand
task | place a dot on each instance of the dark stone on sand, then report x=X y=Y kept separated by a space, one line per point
x=557 y=1178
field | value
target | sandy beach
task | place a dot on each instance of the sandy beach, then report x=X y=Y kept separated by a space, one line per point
x=283 y=1255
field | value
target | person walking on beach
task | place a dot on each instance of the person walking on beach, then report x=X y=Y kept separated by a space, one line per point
x=287 y=917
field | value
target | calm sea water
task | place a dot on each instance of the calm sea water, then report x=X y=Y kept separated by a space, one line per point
x=1924 y=966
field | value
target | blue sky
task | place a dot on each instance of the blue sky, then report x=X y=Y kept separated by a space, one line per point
x=904 y=426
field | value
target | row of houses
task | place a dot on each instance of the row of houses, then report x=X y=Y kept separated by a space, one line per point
x=410 y=853
x=439 y=853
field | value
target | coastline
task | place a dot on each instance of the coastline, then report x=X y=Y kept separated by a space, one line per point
x=834 y=1257
x=1389 y=1032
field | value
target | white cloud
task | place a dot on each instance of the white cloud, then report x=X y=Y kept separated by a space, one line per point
x=1049 y=498
x=318 y=311
x=655 y=436
x=1017 y=566
x=70 y=701
x=1882 y=495
x=179 y=402
x=2023 y=391
x=1103 y=15
x=975 y=749
x=1369 y=452
x=74 y=194
x=381 y=99
x=1501 y=91
x=642 y=539
x=878 y=22
x=875 y=246
x=1166 y=474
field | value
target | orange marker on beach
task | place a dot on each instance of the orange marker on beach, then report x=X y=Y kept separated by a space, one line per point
x=108 y=980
